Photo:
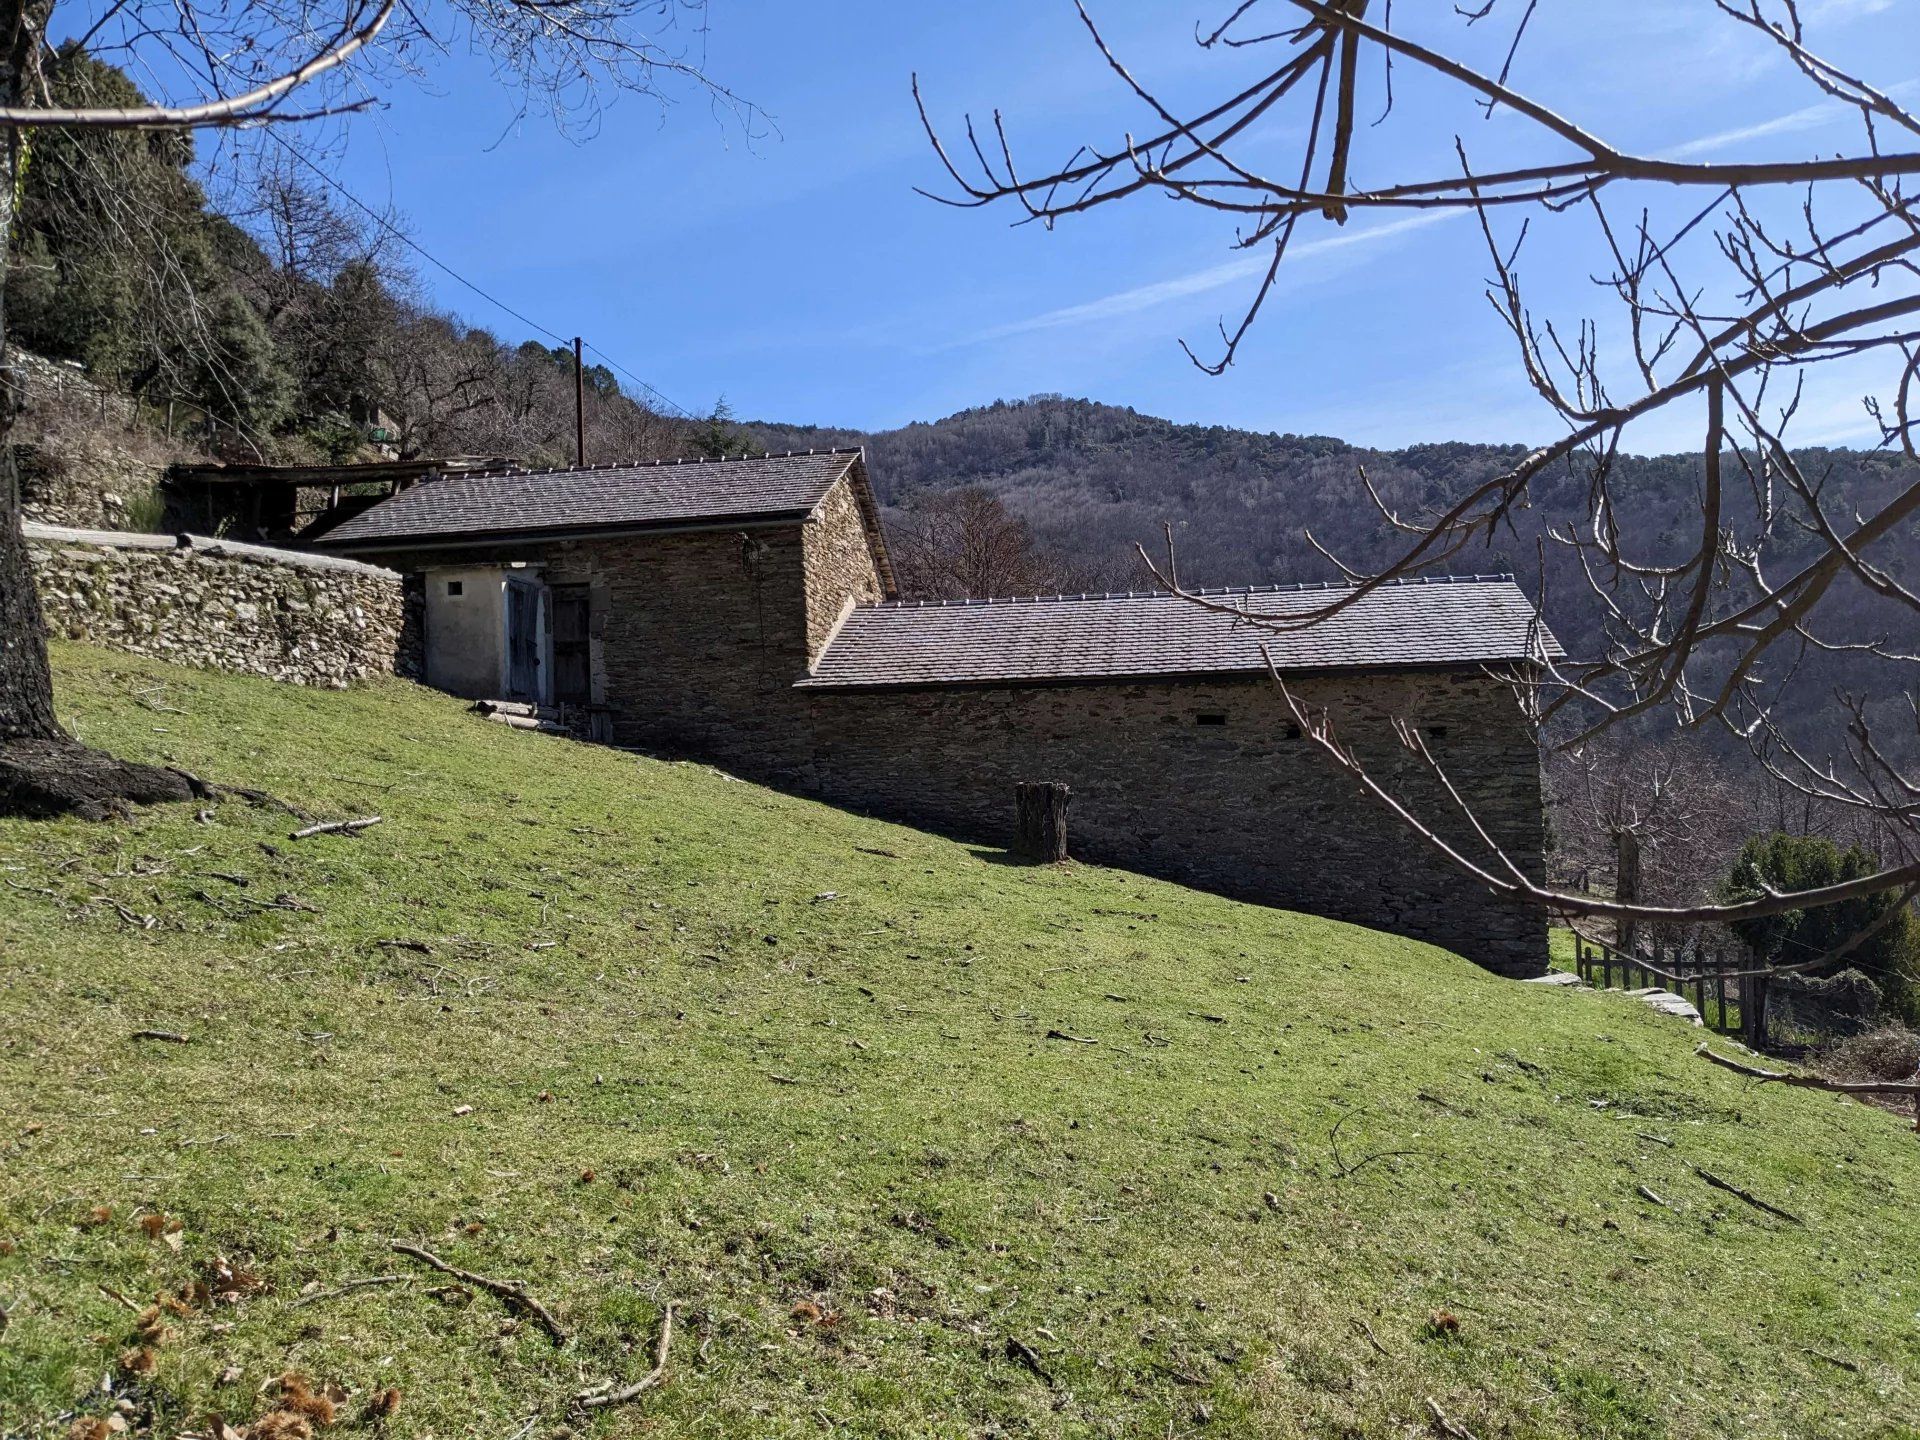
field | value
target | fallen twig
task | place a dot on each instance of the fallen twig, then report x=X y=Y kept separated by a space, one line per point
x=172 y=1037
x=1018 y=1350
x=1372 y=1339
x=335 y=827
x=1811 y=1082
x=1746 y=1195
x=592 y=1400
x=1075 y=1039
x=1446 y=1424
x=1835 y=1360
x=350 y=1286
x=1342 y=1169
x=1645 y=1194
x=511 y=1291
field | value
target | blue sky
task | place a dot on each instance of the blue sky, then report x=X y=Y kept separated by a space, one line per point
x=800 y=276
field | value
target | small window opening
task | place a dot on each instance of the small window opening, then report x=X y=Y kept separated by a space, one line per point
x=1210 y=718
x=456 y=587
x=1436 y=732
x=1293 y=731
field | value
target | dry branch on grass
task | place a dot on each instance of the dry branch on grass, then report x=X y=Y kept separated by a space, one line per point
x=600 y=1398
x=335 y=827
x=348 y=1288
x=1446 y=1424
x=1909 y=1088
x=511 y=1291
x=1747 y=1197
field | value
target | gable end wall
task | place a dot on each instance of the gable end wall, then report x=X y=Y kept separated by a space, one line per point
x=839 y=566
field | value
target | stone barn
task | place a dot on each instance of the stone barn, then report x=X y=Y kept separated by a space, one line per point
x=744 y=611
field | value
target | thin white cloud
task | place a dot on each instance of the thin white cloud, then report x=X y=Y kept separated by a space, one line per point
x=1145 y=297
x=1811 y=117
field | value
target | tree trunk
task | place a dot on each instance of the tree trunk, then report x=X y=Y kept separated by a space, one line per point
x=1626 y=886
x=1040 y=821
x=43 y=771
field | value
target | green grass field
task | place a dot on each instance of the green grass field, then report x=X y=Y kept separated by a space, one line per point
x=669 y=1037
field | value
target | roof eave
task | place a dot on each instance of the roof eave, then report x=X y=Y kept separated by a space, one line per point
x=469 y=539
x=1184 y=677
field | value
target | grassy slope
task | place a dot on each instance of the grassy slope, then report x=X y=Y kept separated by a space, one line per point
x=1105 y=1204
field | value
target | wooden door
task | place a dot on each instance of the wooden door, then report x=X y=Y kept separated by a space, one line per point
x=523 y=642
x=572 y=678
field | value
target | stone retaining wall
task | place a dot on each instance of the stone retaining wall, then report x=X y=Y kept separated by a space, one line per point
x=308 y=619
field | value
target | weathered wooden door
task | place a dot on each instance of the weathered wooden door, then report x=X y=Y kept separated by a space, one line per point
x=572 y=680
x=523 y=642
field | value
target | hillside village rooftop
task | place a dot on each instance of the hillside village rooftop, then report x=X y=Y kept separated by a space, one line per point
x=1438 y=621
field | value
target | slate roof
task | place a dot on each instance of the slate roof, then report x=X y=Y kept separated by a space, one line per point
x=1146 y=635
x=529 y=503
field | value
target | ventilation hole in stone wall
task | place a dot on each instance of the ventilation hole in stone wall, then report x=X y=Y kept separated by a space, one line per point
x=456 y=587
x=1436 y=732
x=1210 y=719
x=1293 y=731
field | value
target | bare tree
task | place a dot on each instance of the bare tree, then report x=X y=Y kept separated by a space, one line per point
x=268 y=62
x=966 y=545
x=1733 y=284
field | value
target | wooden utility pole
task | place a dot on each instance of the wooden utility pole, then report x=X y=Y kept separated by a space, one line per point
x=579 y=407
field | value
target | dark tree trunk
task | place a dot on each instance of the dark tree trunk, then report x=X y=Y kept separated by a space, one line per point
x=43 y=770
x=1040 y=821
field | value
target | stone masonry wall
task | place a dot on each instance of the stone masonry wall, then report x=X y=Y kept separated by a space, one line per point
x=840 y=571
x=308 y=619
x=1241 y=804
x=84 y=458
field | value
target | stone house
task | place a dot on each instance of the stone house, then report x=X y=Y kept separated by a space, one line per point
x=744 y=611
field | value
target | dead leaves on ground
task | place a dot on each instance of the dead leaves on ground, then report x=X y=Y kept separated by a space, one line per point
x=167 y=1229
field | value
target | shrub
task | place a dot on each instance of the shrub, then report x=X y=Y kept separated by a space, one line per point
x=146 y=511
x=1889 y=1053
x=1890 y=956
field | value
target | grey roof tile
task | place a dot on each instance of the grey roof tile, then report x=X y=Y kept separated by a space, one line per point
x=1465 y=621
x=610 y=497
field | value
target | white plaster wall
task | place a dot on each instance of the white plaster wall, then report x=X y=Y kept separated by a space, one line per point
x=467 y=633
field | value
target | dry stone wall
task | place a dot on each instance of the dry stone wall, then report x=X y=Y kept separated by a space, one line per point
x=308 y=619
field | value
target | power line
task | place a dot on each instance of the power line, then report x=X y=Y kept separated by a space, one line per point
x=682 y=410
x=405 y=239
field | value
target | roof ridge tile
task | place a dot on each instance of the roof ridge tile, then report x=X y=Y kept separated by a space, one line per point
x=1201 y=592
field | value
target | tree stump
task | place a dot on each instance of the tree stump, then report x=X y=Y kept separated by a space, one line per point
x=1040 y=821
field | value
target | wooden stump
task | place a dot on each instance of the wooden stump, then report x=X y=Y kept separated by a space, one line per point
x=1040 y=821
